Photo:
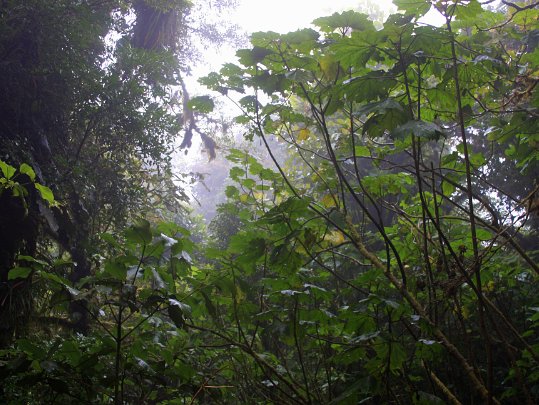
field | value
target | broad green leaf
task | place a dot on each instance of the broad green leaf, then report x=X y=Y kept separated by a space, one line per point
x=362 y=151
x=483 y=234
x=249 y=103
x=34 y=351
x=26 y=169
x=251 y=57
x=19 y=272
x=232 y=192
x=116 y=270
x=371 y=86
x=346 y=20
x=377 y=125
x=477 y=159
x=413 y=7
x=71 y=352
x=46 y=193
x=53 y=277
x=31 y=259
x=466 y=12
x=447 y=188
x=7 y=170
x=139 y=232
x=379 y=107
x=237 y=173
x=302 y=40
x=270 y=83
x=421 y=129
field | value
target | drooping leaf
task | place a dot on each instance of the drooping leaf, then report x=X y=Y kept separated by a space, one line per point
x=178 y=312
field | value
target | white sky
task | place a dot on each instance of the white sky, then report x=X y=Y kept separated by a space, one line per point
x=289 y=15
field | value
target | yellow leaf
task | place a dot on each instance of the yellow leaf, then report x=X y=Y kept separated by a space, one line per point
x=490 y=286
x=334 y=237
x=328 y=201
x=328 y=66
x=244 y=197
x=240 y=295
x=304 y=134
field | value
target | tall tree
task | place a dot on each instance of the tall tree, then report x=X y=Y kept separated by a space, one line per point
x=87 y=103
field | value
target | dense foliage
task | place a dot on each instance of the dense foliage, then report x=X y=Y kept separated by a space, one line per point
x=392 y=258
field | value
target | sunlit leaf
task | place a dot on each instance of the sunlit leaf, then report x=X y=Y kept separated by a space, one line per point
x=46 y=193
x=26 y=169
x=7 y=170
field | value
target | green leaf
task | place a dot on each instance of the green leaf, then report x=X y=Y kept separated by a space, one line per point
x=139 y=232
x=477 y=159
x=19 y=272
x=348 y=19
x=447 y=188
x=116 y=270
x=379 y=107
x=54 y=277
x=249 y=103
x=419 y=128
x=301 y=40
x=251 y=57
x=270 y=83
x=30 y=259
x=178 y=312
x=362 y=151
x=7 y=170
x=46 y=193
x=415 y=7
x=203 y=104
x=71 y=352
x=483 y=234
x=236 y=173
x=31 y=349
x=468 y=13
x=374 y=85
x=378 y=124
x=110 y=239
x=232 y=192
x=26 y=169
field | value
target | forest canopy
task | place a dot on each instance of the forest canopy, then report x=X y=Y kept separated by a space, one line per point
x=386 y=254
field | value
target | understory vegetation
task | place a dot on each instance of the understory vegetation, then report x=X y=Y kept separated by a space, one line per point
x=387 y=254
